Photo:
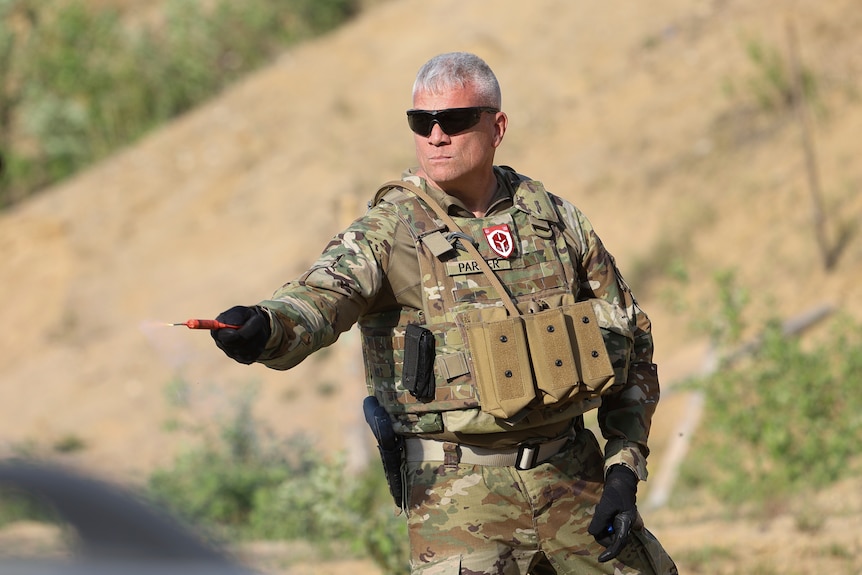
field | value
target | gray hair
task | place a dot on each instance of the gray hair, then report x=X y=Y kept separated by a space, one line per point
x=456 y=70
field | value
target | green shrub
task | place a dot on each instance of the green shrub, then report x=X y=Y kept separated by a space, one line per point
x=246 y=484
x=77 y=83
x=726 y=315
x=783 y=420
x=770 y=83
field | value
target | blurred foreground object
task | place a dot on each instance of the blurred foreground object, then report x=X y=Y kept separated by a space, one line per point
x=116 y=532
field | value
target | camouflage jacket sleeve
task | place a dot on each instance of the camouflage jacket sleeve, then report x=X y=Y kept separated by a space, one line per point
x=312 y=311
x=626 y=412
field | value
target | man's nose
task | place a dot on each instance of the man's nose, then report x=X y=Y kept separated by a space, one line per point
x=437 y=135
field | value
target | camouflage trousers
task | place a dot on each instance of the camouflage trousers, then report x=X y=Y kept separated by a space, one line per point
x=486 y=520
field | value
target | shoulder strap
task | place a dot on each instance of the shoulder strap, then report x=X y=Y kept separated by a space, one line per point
x=471 y=249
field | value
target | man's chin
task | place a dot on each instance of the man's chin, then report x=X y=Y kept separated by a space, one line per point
x=441 y=179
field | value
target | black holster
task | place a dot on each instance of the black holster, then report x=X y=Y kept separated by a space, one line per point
x=389 y=444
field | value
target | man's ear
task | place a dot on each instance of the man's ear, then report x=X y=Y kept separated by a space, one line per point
x=501 y=122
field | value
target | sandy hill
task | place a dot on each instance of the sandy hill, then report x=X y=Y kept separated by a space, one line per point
x=643 y=114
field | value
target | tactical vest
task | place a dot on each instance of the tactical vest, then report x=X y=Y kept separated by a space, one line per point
x=492 y=371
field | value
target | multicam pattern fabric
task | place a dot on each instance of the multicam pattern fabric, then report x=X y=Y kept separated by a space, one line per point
x=463 y=308
x=453 y=285
x=370 y=273
x=486 y=520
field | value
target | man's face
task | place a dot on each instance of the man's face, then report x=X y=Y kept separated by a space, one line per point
x=451 y=161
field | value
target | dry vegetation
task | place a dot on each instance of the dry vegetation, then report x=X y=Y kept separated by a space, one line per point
x=646 y=115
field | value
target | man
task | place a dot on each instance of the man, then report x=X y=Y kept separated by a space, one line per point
x=492 y=318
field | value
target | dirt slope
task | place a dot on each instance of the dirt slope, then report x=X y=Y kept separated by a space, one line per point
x=641 y=113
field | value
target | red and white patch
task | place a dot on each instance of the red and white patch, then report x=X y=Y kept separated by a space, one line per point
x=500 y=240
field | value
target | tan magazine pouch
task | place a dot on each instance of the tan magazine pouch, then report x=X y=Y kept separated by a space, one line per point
x=501 y=365
x=553 y=361
x=593 y=363
x=555 y=354
x=568 y=352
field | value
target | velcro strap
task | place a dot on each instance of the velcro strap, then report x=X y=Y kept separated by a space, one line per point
x=522 y=457
x=437 y=243
x=451 y=365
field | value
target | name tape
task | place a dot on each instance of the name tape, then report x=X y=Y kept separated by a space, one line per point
x=472 y=267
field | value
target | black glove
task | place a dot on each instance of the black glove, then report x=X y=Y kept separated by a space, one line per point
x=246 y=343
x=616 y=513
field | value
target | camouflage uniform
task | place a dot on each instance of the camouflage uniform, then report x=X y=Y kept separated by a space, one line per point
x=494 y=520
x=484 y=518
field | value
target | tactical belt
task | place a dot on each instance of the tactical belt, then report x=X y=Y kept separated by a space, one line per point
x=523 y=457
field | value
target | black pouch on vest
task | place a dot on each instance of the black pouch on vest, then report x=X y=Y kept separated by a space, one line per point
x=418 y=373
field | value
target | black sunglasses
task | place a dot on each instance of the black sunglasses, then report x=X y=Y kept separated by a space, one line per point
x=450 y=120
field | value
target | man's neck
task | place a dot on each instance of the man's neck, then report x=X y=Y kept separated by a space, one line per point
x=476 y=195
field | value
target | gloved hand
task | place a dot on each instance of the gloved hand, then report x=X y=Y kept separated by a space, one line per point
x=616 y=513
x=246 y=343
